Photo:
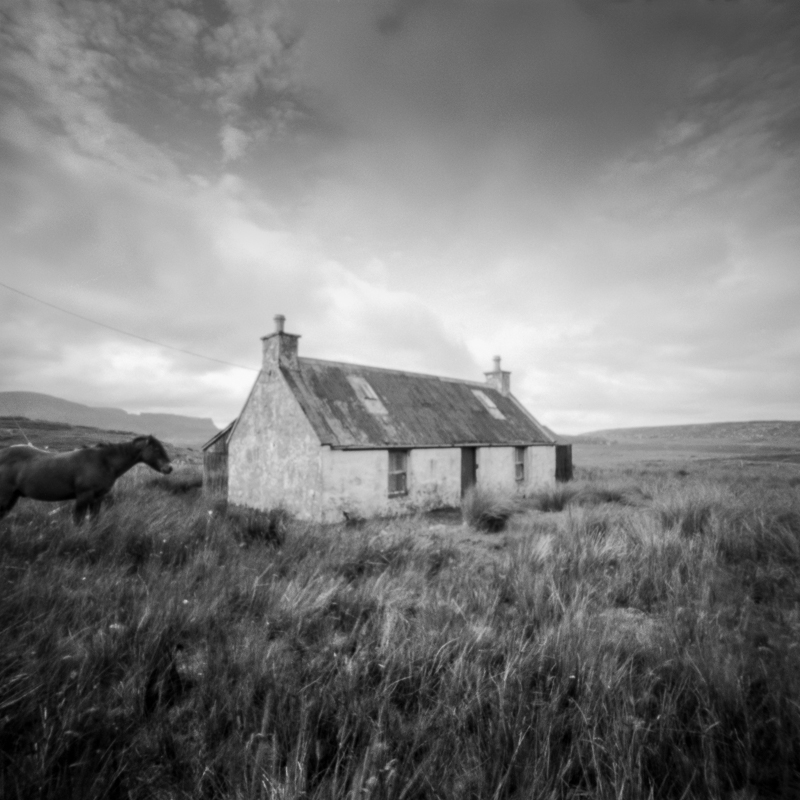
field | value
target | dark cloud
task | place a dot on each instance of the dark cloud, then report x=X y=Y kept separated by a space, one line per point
x=144 y=72
x=391 y=15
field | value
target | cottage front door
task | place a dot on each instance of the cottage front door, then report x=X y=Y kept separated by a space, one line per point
x=469 y=468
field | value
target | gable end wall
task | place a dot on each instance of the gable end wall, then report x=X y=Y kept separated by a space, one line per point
x=274 y=455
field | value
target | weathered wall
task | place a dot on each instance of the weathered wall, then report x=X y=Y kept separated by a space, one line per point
x=357 y=482
x=215 y=475
x=540 y=468
x=496 y=468
x=215 y=470
x=274 y=456
x=435 y=477
x=354 y=482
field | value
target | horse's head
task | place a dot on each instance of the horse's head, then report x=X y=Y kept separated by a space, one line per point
x=153 y=454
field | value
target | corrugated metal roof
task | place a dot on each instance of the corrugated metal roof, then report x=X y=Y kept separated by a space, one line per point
x=225 y=432
x=414 y=410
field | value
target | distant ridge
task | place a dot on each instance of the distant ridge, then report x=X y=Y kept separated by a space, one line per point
x=777 y=432
x=174 y=428
x=556 y=437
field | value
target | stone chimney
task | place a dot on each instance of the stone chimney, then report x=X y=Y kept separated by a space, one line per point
x=498 y=379
x=279 y=349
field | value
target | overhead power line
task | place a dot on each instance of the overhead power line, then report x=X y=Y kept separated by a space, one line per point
x=125 y=333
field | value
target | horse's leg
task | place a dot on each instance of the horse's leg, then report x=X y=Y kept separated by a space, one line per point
x=88 y=505
x=83 y=503
x=94 y=506
x=7 y=503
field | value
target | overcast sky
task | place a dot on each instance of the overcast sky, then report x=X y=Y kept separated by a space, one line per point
x=605 y=193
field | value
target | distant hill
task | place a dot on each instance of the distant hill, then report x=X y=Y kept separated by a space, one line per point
x=557 y=437
x=774 y=432
x=59 y=436
x=174 y=428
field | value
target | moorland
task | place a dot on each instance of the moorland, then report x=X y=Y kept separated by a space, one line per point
x=175 y=428
x=742 y=443
x=633 y=633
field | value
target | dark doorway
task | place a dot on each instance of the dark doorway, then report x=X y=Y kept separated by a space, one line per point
x=469 y=468
x=563 y=462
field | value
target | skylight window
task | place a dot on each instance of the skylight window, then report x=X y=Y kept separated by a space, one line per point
x=367 y=395
x=362 y=387
x=488 y=404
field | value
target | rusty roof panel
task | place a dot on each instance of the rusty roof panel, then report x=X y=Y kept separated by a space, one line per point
x=223 y=434
x=420 y=410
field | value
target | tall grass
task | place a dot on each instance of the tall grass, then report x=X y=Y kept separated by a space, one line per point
x=488 y=510
x=165 y=651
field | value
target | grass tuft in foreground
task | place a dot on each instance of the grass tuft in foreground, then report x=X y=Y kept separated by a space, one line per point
x=487 y=509
x=618 y=651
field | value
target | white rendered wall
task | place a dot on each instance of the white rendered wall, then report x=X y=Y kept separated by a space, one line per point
x=275 y=459
x=357 y=482
x=435 y=477
x=274 y=454
x=496 y=468
x=540 y=468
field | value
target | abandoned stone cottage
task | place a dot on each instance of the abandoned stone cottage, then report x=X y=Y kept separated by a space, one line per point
x=328 y=440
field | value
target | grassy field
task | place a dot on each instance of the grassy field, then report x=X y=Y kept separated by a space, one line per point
x=743 y=443
x=677 y=454
x=634 y=633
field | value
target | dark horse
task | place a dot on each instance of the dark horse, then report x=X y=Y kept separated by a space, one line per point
x=85 y=475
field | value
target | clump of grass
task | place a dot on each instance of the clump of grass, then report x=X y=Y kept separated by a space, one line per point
x=374 y=557
x=148 y=654
x=556 y=498
x=249 y=525
x=693 y=512
x=183 y=480
x=595 y=494
x=760 y=536
x=487 y=510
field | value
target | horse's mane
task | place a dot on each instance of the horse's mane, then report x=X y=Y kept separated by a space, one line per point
x=31 y=447
x=142 y=438
x=137 y=443
x=107 y=445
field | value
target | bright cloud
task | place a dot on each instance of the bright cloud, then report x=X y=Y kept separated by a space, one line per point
x=605 y=194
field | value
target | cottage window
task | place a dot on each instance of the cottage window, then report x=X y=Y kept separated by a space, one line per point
x=519 y=463
x=488 y=404
x=398 y=472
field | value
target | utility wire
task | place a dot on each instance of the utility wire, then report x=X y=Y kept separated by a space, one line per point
x=124 y=333
x=45 y=449
x=25 y=435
